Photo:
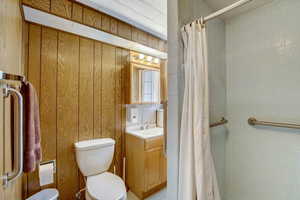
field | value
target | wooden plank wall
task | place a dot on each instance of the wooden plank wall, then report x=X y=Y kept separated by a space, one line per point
x=11 y=61
x=93 y=18
x=80 y=86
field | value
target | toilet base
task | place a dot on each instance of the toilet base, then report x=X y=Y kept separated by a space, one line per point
x=88 y=197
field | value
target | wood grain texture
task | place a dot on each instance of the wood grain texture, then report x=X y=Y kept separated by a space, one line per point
x=145 y=165
x=86 y=89
x=98 y=90
x=62 y=8
x=114 y=26
x=162 y=45
x=135 y=165
x=163 y=81
x=67 y=114
x=125 y=55
x=34 y=61
x=105 y=23
x=34 y=70
x=82 y=96
x=77 y=13
x=10 y=61
x=152 y=168
x=163 y=167
x=124 y=30
x=153 y=42
x=48 y=95
x=92 y=18
x=108 y=90
x=25 y=38
x=108 y=94
x=2 y=152
x=139 y=36
x=96 y=19
x=39 y=4
x=118 y=107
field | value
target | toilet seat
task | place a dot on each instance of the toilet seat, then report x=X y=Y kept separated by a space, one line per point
x=106 y=186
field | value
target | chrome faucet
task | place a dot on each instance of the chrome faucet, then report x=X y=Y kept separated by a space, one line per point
x=145 y=125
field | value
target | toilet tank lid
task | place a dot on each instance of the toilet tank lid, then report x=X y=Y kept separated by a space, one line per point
x=46 y=194
x=93 y=144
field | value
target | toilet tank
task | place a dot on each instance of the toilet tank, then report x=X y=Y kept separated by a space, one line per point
x=94 y=156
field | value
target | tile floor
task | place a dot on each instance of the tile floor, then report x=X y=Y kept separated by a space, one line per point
x=161 y=195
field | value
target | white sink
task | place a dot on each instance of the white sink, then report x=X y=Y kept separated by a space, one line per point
x=147 y=133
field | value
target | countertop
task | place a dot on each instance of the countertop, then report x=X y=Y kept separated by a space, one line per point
x=147 y=133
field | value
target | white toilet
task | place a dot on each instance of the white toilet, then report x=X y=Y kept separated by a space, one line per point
x=94 y=158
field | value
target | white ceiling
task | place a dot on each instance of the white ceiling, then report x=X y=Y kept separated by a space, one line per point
x=219 y=4
x=149 y=15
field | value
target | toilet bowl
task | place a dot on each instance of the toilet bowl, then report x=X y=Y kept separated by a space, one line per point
x=94 y=158
x=46 y=194
x=105 y=186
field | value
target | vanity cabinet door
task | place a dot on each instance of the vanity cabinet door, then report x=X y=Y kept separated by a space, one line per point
x=152 y=168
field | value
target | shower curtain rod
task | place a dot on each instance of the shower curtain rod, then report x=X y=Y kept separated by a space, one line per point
x=223 y=11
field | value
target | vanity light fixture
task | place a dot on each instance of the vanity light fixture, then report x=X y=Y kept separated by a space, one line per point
x=149 y=58
x=141 y=56
x=156 y=60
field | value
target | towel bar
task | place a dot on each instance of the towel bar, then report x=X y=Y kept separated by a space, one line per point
x=254 y=122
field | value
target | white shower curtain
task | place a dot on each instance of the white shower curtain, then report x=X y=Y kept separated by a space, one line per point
x=197 y=176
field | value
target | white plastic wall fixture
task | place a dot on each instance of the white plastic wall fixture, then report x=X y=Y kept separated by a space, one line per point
x=49 y=20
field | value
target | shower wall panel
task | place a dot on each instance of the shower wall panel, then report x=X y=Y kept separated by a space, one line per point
x=263 y=78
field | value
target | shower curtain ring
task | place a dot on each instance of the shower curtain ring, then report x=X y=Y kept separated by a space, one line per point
x=202 y=22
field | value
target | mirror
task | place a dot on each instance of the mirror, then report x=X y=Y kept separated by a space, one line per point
x=145 y=85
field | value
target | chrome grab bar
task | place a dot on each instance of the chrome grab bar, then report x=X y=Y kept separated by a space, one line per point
x=219 y=123
x=253 y=122
x=11 y=77
x=10 y=177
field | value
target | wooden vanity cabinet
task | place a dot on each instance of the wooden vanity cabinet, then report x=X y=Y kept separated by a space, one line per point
x=145 y=165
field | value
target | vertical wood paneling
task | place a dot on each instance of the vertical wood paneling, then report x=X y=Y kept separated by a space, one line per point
x=81 y=87
x=143 y=37
x=135 y=34
x=139 y=36
x=162 y=45
x=118 y=105
x=62 y=8
x=86 y=89
x=71 y=10
x=105 y=23
x=163 y=81
x=34 y=60
x=2 y=152
x=77 y=12
x=67 y=114
x=92 y=18
x=98 y=90
x=153 y=42
x=124 y=30
x=114 y=26
x=39 y=4
x=34 y=70
x=108 y=90
x=48 y=94
x=125 y=55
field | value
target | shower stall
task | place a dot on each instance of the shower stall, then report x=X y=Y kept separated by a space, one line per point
x=254 y=75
